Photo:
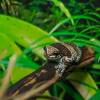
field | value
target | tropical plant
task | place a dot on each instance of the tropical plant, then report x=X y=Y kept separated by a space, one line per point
x=67 y=21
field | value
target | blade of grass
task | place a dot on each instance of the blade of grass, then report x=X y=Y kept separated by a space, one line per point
x=78 y=17
x=64 y=10
x=80 y=87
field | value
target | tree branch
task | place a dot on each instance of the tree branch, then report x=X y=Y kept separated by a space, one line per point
x=39 y=81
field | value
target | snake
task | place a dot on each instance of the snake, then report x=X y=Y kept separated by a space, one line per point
x=64 y=54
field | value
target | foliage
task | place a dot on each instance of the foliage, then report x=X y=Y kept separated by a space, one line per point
x=57 y=20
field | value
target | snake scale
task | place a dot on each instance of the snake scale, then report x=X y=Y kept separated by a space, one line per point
x=64 y=54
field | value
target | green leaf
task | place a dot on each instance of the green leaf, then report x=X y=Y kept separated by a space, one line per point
x=82 y=81
x=1 y=76
x=96 y=96
x=68 y=33
x=25 y=34
x=72 y=92
x=23 y=67
x=60 y=89
x=78 y=17
x=26 y=62
x=19 y=72
x=96 y=66
x=63 y=9
x=7 y=46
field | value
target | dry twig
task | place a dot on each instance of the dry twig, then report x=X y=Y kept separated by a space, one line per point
x=6 y=79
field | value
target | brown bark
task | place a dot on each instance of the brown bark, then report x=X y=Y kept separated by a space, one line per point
x=45 y=76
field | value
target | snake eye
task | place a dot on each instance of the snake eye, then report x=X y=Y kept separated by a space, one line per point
x=55 y=53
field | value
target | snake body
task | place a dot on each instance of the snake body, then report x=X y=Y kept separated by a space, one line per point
x=64 y=54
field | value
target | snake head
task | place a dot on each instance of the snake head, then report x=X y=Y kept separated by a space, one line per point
x=52 y=53
x=63 y=52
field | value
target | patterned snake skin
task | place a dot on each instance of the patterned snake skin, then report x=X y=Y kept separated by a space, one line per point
x=64 y=54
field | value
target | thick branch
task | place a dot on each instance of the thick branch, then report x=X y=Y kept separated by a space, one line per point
x=41 y=79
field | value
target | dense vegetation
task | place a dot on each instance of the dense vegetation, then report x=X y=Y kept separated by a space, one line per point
x=26 y=26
